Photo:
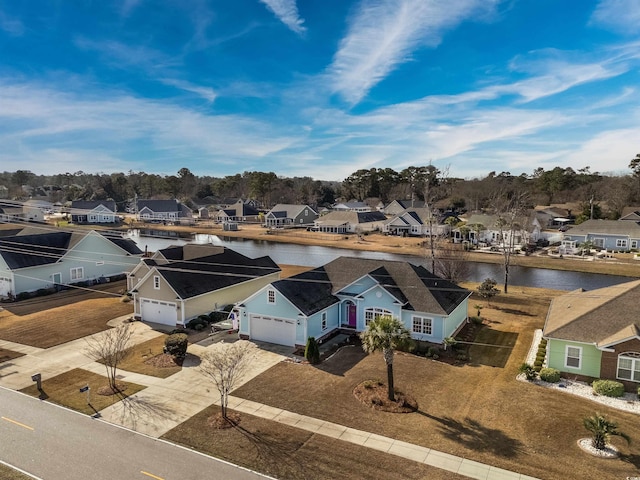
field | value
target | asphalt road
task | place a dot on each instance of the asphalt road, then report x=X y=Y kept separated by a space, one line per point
x=57 y=444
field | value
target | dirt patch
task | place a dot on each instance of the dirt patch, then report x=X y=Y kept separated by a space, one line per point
x=374 y=394
x=109 y=390
x=218 y=422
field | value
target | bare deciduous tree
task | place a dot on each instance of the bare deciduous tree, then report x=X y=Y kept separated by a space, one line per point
x=510 y=209
x=452 y=262
x=109 y=348
x=226 y=366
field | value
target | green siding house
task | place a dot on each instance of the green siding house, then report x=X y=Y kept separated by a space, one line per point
x=596 y=334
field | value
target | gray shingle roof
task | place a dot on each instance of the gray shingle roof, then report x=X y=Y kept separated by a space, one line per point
x=413 y=285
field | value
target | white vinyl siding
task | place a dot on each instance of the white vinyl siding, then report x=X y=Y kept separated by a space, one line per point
x=573 y=357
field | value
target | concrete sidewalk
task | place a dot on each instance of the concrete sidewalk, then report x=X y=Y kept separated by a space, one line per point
x=444 y=461
x=166 y=403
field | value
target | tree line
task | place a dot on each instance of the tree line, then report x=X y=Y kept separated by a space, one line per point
x=599 y=195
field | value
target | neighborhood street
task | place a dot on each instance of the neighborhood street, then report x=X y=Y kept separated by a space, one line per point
x=54 y=443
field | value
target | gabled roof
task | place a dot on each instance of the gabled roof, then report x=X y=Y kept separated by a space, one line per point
x=199 y=275
x=287 y=210
x=32 y=250
x=607 y=227
x=413 y=285
x=342 y=217
x=85 y=206
x=159 y=205
x=599 y=316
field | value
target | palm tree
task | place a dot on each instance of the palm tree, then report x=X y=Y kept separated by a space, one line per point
x=386 y=333
x=602 y=430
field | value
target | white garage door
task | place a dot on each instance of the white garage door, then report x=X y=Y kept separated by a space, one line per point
x=158 y=312
x=273 y=330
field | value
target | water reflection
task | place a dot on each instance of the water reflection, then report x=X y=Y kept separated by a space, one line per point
x=315 y=256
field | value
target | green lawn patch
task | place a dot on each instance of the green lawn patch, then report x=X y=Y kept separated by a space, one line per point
x=287 y=452
x=64 y=390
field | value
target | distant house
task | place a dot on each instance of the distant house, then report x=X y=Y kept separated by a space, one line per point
x=181 y=283
x=283 y=215
x=350 y=222
x=596 y=334
x=351 y=207
x=484 y=228
x=99 y=211
x=240 y=211
x=417 y=222
x=396 y=207
x=608 y=234
x=165 y=210
x=345 y=295
x=633 y=216
x=28 y=211
x=553 y=217
x=30 y=262
x=4 y=192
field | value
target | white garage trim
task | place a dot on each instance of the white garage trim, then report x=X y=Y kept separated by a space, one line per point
x=281 y=331
x=157 y=311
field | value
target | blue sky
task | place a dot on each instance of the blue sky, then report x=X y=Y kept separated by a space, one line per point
x=318 y=88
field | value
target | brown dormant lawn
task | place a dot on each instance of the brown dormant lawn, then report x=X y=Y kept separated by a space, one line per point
x=140 y=359
x=291 y=453
x=64 y=389
x=8 y=355
x=475 y=411
x=62 y=324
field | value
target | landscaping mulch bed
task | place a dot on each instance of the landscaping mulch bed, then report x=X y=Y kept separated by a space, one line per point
x=375 y=394
x=148 y=358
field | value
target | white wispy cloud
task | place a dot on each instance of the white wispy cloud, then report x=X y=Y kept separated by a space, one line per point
x=207 y=93
x=10 y=25
x=39 y=119
x=622 y=16
x=383 y=34
x=121 y=55
x=287 y=13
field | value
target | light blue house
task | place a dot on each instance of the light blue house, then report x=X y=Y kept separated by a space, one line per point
x=345 y=295
x=34 y=261
x=608 y=234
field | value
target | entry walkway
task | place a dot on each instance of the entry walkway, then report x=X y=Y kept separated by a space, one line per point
x=428 y=456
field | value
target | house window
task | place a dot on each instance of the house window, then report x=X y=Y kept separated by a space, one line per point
x=271 y=296
x=373 y=313
x=324 y=321
x=422 y=325
x=621 y=243
x=598 y=242
x=573 y=356
x=629 y=366
x=77 y=273
x=156 y=282
x=634 y=244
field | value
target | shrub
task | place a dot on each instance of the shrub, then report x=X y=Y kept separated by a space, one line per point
x=312 y=351
x=462 y=357
x=431 y=351
x=528 y=371
x=476 y=320
x=176 y=345
x=550 y=375
x=608 y=388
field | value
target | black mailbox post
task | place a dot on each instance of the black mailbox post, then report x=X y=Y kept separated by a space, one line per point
x=38 y=379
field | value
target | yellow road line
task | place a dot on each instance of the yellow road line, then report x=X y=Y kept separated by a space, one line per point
x=151 y=475
x=17 y=423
